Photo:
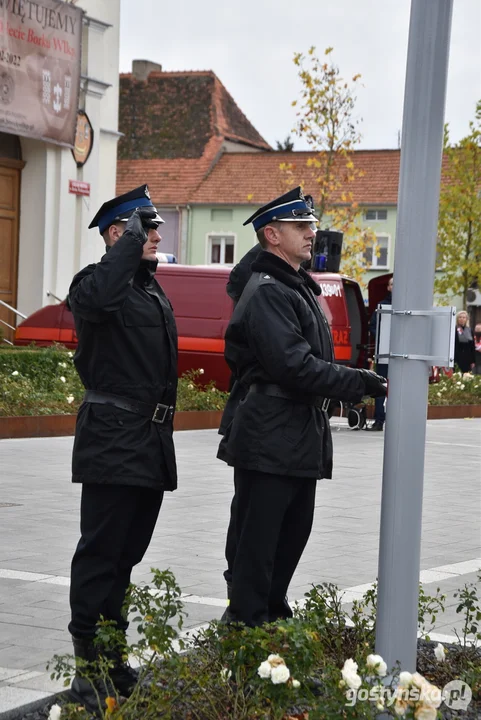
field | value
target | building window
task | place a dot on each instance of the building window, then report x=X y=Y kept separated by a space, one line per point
x=221 y=215
x=220 y=249
x=376 y=257
x=371 y=215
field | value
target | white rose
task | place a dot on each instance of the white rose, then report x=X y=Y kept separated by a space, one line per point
x=225 y=674
x=280 y=674
x=70 y=354
x=431 y=696
x=405 y=679
x=70 y=399
x=55 y=712
x=264 y=670
x=377 y=664
x=440 y=652
x=296 y=684
x=380 y=704
x=425 y=713
x=400 y=707
x=62 y=379
x=15 y=372
x=418 y=680
x=349 y=674
x=201 y=371
x=275 y=660
x=213 y=390
x=462 y=386
x=190 y=386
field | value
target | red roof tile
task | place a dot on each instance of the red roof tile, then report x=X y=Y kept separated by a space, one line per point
x=171 y=181
x=257 y=176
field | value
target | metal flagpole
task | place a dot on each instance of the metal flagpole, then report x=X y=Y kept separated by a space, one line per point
x=414 y=267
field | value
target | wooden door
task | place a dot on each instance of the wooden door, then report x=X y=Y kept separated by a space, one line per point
x=9 y=215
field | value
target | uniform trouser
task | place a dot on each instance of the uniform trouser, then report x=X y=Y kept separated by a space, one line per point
x=116 y=525
x=273 y=521
x=231 y=540
x=379 y=411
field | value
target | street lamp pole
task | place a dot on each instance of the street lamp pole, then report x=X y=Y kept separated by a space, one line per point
x=414 y=267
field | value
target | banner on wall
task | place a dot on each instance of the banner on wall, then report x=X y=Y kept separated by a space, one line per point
x=40 y=54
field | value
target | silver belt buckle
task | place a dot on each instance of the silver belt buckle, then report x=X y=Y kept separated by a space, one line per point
x=164 y=409
x=325 y=404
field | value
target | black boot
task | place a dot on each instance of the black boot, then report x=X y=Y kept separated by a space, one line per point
x=124 y=677
x=88 y=689
x=226 y=616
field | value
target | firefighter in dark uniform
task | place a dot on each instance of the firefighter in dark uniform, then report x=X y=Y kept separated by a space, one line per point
x=123 y=451
x=279 y=346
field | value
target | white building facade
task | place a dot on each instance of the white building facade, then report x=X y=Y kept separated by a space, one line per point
x=44 y=238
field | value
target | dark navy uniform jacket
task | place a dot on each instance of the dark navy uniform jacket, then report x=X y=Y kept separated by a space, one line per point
x=127 y=346
x=278 y=334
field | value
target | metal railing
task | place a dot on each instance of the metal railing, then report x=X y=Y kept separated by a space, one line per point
x=4 y=322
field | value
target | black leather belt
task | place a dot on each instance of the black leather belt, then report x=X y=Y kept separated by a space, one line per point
x=156 y=413
x=277 y=391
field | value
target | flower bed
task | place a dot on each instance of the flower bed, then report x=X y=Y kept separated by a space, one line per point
x=39 y=382
x=319 y=665
x=44 y=381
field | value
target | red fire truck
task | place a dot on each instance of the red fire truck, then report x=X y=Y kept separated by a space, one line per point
x=203 y=309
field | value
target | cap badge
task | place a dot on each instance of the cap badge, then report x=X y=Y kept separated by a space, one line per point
x=146 y=191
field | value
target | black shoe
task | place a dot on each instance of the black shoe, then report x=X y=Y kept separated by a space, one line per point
x=376 y=426
x=92 y=694
x=124 y=679
x=281 y=611
x=87 y=688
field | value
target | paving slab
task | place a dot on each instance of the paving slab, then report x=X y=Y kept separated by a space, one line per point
x=39 y=532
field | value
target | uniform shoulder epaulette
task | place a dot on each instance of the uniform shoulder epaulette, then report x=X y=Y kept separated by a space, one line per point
x=266 y=279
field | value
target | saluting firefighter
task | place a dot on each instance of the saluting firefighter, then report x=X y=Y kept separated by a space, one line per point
x=123 y=451
x=278 y=345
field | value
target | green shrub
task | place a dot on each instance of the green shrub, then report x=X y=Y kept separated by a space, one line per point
x=44 y=381
x=40 y=381
x=456 y=390
x=315 y=666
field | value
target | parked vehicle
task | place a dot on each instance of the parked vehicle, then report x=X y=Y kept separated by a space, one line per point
x=203 y=309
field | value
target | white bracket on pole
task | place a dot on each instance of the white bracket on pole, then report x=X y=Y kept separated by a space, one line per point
x=442 y=324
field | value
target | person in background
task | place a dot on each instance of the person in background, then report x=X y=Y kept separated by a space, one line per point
x=477 y=348
x=381 y=368
x=464 y=354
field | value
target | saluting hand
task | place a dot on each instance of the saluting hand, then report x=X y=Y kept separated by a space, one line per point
x=374 y=385
x=141 y=221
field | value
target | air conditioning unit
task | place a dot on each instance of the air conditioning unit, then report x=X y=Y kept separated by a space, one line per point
x=473 y=297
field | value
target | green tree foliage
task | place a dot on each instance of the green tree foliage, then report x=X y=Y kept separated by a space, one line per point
x=459 y=229
x=326 y=120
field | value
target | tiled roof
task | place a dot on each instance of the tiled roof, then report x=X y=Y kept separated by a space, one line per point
x=256 y=178
x=171 y=181
x=175 y=114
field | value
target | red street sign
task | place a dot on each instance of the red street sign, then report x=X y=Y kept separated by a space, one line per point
x=78 y=187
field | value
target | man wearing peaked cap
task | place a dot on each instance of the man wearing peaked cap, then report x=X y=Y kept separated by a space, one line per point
x=121 y=208
x=293 y=206
x=123 y=452
x=276 y=432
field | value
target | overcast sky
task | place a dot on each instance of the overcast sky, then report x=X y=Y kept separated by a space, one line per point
x=250 y=46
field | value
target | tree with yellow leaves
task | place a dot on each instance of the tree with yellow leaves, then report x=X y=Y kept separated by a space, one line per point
x=459 y=228
x=325 y=119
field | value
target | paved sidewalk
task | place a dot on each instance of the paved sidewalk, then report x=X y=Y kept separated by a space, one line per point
x=39 y=519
